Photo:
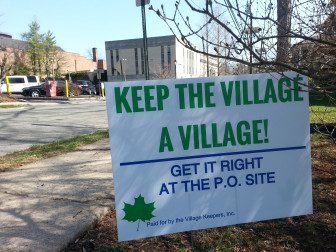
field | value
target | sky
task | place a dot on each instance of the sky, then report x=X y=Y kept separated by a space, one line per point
x=79 y=25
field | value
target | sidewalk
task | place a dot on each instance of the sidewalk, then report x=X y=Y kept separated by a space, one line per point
x=48 y=100
x=45 y=205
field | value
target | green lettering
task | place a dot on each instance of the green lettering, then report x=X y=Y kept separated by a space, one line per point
x=165 y=141
x=256 y=92
x=238 y=95
x=227 y=93
x=256 y=131
x=162 y=93
x=121 y=100
x=136 y=98
x=246 y=100
x=243 y=135
x=185 y=136
x=196 y=137
x=181 y=88
x=285 y=93
x=209 y=94
x=195 y=95
x=149 y=98
x=205 y=145
x=270 y=92
x=214 y=136
x=228 y=135
x=298 y=89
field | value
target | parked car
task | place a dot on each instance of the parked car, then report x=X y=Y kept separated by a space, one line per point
x=35 y=91
x=33 y=80
x=40 y=90
x=87 y=87
x=18 y=82
x=74 y=89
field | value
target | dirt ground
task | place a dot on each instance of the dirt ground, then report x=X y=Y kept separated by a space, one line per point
x=5 y=98
x=316 y=232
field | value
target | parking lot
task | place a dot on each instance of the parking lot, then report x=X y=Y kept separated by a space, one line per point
x=47 y=121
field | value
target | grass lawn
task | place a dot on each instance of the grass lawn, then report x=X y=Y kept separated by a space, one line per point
x=316 y=232
x=322 y=114
x=14 y=106
x=322 y=108
x=38 y=152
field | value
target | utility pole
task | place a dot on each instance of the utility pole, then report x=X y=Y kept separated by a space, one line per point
x=142 y=3
x=250 y=32
x=219 y=46
x=207 y=46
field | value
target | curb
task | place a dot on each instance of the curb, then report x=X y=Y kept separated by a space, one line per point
x=85 y=228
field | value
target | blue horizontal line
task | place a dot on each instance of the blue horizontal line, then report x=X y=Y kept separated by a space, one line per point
x=211 y=155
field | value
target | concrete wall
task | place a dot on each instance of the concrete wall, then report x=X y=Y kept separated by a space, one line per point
x=186 y=62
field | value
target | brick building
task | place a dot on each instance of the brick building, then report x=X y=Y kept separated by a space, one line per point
x=65 y=61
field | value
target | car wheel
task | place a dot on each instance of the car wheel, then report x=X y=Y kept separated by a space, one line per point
x=35 y=94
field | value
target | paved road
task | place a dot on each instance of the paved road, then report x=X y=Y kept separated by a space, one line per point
x=48 y=121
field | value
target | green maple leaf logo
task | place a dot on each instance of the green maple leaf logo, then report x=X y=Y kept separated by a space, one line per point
x=140 y=211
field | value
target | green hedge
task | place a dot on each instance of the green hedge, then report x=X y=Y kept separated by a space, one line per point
x=322 y=99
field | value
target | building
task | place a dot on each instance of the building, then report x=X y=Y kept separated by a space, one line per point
x=211 y=67
x=167 y=58
x=64 y=61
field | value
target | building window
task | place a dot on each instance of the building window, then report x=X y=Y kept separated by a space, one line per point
x=117 y=59
x=192 y=55
x=162 y=58
x=169 y=57
x=136 y=61
x=117 y=55
x=189 y=62
x=184 y=62
x=142 y=61
x=112 y=62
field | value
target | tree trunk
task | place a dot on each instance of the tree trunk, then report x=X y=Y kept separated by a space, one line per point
x=284 y=20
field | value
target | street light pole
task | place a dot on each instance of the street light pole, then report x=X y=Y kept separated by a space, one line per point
x=142 y=3
x=145 y=45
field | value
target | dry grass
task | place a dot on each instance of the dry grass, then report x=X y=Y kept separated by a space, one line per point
x=316 y=232
x=6 y=98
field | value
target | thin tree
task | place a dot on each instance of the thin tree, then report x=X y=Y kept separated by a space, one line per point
x=279 y=34
x=49 y=53
x=34 y=41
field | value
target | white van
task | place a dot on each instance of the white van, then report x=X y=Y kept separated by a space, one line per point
x=19 y=82
x=33 y=80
